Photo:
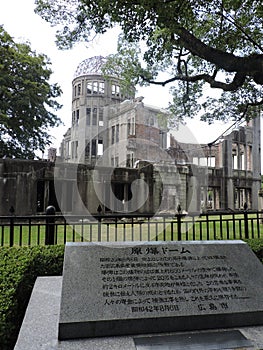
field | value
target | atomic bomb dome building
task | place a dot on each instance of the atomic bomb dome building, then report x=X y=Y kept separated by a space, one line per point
x=110 y=128
x=114 y=140
x=109 y=123
x=91 y=92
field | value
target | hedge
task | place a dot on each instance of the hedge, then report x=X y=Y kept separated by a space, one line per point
x=257 y=246
x=19 y=268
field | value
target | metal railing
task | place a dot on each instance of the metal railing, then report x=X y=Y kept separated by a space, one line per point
x=58 y=229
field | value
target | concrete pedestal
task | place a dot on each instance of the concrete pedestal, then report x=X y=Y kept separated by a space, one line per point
x=39 y=330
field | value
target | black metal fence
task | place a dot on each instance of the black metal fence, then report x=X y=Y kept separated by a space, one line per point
x=58 y=229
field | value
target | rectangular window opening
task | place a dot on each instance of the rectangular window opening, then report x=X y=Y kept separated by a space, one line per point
x=88 y=113
x=112 y=135
x=100 y=147
x=94 y=116
x=93 y=147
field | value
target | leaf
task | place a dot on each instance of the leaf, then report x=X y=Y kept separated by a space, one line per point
x=27 y=99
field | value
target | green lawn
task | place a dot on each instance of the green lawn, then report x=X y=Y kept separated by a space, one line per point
x=191 y=229
x=35 y=235
x=198 y=228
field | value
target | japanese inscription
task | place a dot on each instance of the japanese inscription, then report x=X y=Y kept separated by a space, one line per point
x=140 y=287
x=166 y=279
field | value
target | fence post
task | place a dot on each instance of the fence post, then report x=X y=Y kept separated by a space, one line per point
x=99 y=229
x=179 y=227
x=99 y=210
x=246 y=222
x=11 y=232
x=50 y=225
x=11 y=243
x=246 y=225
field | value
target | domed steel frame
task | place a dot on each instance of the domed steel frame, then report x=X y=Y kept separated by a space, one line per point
x=90 y=66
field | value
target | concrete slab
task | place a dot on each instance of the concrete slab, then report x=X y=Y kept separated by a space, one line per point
x=39 y=330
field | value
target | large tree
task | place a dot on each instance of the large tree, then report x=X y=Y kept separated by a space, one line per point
x=200 y=43
x=26 y=99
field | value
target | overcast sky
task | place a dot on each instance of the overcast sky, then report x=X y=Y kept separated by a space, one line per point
x=20 y=21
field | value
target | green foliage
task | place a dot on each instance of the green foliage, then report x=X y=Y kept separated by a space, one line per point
x=26 y=99
x=216 y=43
x=19 y=268
x=257 y=246
x=125 y=65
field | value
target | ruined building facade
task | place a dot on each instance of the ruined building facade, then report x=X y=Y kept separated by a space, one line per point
x=233 y=167
x=118 y=154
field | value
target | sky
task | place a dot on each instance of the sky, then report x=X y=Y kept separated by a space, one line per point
x=20 y=21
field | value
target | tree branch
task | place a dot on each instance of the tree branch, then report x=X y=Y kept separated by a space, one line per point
x=249 y=66
x=238 y=81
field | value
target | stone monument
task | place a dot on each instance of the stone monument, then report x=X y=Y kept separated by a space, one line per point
x=148 y=287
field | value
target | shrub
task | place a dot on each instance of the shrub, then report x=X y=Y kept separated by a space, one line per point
x=256 y=245
x=19 y=268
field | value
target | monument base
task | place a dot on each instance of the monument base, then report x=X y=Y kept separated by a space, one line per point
x=40 y=330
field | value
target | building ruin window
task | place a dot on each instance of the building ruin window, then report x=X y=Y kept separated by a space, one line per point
x=88 y=114
x=115 y=90
x=234 y=157
x=89 y=87
x=163 y=139
x=67 y=149
x=131 y=126
x=101 y=122
x=239 y=157
x=87 y=149
x=100 y=147
x=242 y=160
x=77 y=90
x=112 y=135
x=94 y=115
x=195 y=161
x=117 y=133
x=242 y=196
x=130 y=160
x=212 y=161
x=77 y=116
x=74 y=148
x=101 y=87
x=73 y=117
x=93 y=148
x=95 y=87
x=249 y=158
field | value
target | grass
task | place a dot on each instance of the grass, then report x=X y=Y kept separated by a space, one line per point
x=35 y=234
x=217 y=227
x=197 y=228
